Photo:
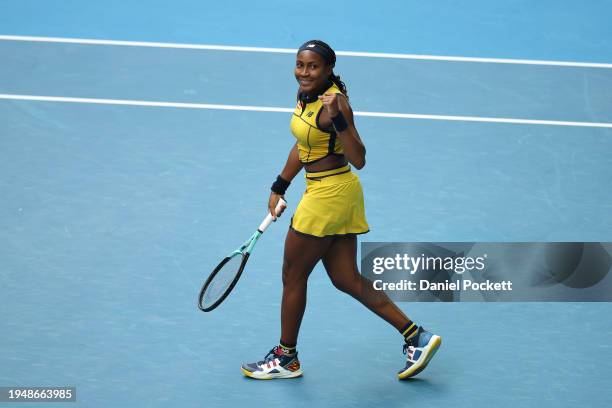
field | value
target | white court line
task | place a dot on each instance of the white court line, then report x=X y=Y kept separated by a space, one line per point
x=289 y=110
x=143 y=103
x=292 y=51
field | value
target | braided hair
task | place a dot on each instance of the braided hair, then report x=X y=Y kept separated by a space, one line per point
x=328 y=54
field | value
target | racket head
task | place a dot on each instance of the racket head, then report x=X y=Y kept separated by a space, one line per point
x=221 y=281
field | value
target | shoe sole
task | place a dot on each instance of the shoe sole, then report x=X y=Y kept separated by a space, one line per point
x=429 y=351
x=294 y=374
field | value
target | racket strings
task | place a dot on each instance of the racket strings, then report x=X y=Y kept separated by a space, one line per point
x=222 y=280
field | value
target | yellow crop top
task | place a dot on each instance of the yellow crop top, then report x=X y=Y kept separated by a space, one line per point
x=313 y=142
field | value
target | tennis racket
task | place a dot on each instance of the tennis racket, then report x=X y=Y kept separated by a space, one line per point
x=225 y=276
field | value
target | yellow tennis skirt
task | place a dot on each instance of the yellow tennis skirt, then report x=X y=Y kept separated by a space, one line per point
x=332 y=205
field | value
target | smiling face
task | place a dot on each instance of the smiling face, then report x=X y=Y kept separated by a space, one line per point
x=311 y=71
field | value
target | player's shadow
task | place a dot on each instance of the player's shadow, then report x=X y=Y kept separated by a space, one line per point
x=421 y=382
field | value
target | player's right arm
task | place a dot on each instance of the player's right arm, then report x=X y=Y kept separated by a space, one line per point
x=291 y=169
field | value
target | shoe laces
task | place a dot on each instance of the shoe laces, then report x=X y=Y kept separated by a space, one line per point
x=411 y=343
x=405 y=348
x=272 y=354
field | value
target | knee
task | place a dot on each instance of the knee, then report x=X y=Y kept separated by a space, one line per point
x=293 y=276
x=340 y=285
x=347 y=284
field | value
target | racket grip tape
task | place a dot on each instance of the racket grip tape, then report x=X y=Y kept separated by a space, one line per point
x=268 y=220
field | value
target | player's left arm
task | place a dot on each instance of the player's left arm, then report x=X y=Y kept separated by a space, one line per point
x=354 y=149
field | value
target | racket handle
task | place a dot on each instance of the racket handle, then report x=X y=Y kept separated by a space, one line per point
x=268 y=220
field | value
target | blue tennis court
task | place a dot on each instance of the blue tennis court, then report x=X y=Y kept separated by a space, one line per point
x=128 y=170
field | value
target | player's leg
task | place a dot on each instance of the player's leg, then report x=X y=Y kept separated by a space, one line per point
x=341 y=266
x=340 y=262
x=302 y=252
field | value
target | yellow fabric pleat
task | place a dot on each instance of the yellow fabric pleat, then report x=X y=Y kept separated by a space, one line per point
x=332 y=205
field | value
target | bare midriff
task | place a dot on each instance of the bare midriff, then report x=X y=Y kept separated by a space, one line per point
x=327 y=163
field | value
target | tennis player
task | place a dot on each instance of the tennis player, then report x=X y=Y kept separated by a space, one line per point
x=329 y=216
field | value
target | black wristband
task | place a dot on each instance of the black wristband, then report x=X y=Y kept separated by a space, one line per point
x=280 y=185
x=339 y=122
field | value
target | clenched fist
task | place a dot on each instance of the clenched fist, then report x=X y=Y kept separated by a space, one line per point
x=330 y=103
